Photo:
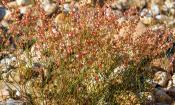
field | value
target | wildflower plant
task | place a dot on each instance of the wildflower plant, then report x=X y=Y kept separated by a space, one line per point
x=79 y=56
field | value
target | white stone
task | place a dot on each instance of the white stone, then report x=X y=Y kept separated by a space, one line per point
x=161 y=78
x=169 y=4
x=35 y=53
x=50 y=8
x=155 y=9
x=4 y=23
x=23 y=2
x=66 y=7
x=12 y=4
x=161 y=17
x=147 y=20
x=173 y=79
x=121 y=20
x=8 y=60
x=24 y=9
x=144 y=12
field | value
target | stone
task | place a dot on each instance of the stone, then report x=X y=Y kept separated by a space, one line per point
x=144 y=12
x=35 y=53
x=4 y=23
x=172 y=11
x=8 y=60
x=157 y=27
x=11 y=101
x=161 y=78
x=161 y=17
x=162 y=97
x=171 y=91
x=66 y=7
x=50 y=8
x=171 y=23
x=23 y=2
x=155 y=9
x=169 y=4
x=67 y=1
x=163 y=62
x=117 y=74
x=147 y=20
x=24 y=9
x=139 y=3
x=2 y=12
x=12 y=4
x=173 y=80
x=121 y=20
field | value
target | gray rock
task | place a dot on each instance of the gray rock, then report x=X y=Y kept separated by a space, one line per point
x=162 y=97
x=10 y=102
x=2 y=12
x=14 y=102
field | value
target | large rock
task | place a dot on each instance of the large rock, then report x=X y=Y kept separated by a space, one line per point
x=171 y=91
x=162 y=97
x=2 y=12
x=161 y=78
x=48 y=7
